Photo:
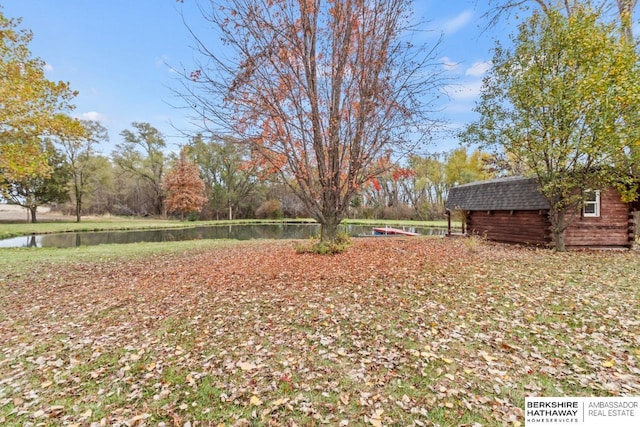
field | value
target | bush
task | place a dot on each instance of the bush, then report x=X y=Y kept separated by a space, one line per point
x=316 y=246
x=271 y=209
x=473 y=242
x=367 y=212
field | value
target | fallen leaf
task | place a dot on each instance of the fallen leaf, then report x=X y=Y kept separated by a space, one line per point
x=279 y=402
x=246 y=366
x=376 y=418
x=487 y=357
x=55 y=411
x=190 y=380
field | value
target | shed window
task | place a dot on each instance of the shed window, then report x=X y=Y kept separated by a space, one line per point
x=591 y=204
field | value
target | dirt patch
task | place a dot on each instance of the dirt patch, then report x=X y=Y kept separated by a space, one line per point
x=15 y=213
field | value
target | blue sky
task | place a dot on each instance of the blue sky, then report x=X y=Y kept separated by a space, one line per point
x=120 y=56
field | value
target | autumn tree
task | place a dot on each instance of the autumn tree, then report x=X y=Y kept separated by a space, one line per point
x=620 y=13
x=427 y=189
x=388 y=193
x=101 y=195
x=433 y=175
x=184 y=187
x=622 y=10
x=30 y=106
x=141 y=155
x=463 y=168
x=556 y=102
x=228 y=172
x=79 y=150
x=33 y=191
x=319 y=89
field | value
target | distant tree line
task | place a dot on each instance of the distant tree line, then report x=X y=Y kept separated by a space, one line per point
x=216 y=177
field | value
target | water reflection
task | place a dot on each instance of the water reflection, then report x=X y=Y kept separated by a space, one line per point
x=235 y=232
x=32 y=241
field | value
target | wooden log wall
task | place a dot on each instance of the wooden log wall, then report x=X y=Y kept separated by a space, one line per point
x=611 y=228
x=527 y=227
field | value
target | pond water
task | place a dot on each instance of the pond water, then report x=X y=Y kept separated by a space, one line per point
x=236 y=232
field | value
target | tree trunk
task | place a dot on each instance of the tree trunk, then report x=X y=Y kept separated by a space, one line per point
x=558 y=226
x=78 y=193
x=32 y=210
x=78 y=209
x=159 y=204
x=329 y=229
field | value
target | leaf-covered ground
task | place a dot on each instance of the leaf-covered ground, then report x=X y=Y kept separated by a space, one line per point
x=392 y=332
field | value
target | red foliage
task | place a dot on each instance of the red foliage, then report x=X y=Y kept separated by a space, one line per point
x=185 y=188
x=376 y=184
x=399 y=173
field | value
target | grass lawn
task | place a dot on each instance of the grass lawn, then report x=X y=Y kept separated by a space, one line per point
x=414 y=331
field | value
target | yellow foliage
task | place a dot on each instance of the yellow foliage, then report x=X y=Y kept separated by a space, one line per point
x=30 y=105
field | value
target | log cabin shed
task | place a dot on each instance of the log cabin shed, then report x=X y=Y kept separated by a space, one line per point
x=513 y=210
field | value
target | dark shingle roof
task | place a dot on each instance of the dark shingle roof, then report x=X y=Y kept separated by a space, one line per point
x=512 y=193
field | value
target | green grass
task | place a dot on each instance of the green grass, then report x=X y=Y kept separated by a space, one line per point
x=21 y=261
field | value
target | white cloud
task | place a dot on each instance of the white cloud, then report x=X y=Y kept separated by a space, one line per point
x=94 y=115
x=448 y=64
x=478 y=68
x=454 y=24
x=48 y=67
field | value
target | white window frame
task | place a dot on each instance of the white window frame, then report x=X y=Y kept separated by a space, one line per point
x=595 y=212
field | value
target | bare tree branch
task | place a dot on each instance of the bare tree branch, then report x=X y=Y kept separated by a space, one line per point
x=321 y=90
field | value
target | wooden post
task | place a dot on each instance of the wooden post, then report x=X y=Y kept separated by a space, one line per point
x=448 y=223
x=464 y=222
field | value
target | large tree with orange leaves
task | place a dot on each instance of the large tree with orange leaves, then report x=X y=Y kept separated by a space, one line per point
x=320 y=89
x=184 y=187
